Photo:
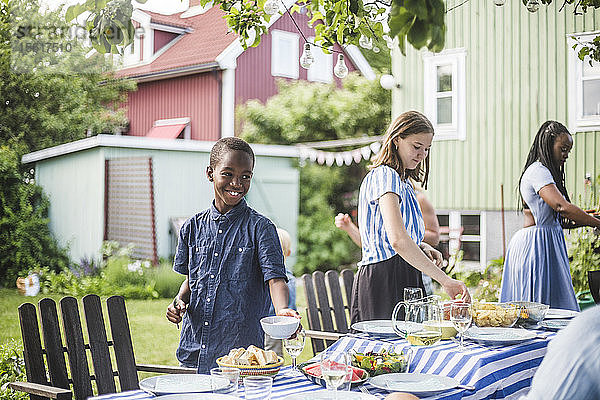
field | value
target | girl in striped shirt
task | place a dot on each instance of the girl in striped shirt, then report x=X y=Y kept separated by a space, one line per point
x=391 y=224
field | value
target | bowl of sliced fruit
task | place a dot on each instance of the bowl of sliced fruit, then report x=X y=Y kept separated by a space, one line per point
x=312 y=370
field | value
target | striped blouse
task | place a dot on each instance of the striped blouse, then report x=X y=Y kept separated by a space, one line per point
x=376 y=246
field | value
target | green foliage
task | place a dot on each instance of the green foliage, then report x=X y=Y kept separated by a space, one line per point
x=12 y=369
x=26 y=242
x=166 y=281
x=305 y=112
x=484 y=285
x=420 y=22
x=584 y=256
x=59 y=96
x=321 y=246
x=118 y=274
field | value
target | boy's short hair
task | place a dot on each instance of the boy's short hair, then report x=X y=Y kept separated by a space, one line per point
x=228 y=143
x=286 y=241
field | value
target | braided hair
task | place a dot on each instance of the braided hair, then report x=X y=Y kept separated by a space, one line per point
x=542 y=151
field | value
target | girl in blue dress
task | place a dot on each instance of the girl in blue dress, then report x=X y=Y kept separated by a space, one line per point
x=537 y=265
x=391 y=224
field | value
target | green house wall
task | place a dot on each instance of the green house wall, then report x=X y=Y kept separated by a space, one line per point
x=517 y=74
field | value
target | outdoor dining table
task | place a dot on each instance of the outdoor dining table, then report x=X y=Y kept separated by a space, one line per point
x=496 y=372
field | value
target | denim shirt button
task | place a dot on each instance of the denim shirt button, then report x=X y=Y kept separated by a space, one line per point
x=208 y=299
x=212 y=276
x=203 y=346
x=206 y=323
x=240 y=250
x=216 y=254
x=220 y=230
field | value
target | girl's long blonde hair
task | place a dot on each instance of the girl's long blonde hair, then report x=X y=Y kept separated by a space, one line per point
x=408 y=123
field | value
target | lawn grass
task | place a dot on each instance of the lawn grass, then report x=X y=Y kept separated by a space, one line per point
x=154 y=338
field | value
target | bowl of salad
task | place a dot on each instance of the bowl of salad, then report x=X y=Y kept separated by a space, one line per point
x=384 y=362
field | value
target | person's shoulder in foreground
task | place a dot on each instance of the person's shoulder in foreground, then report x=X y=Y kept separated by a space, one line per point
x=571 y=367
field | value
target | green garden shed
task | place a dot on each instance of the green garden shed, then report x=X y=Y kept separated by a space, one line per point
x=140 y=190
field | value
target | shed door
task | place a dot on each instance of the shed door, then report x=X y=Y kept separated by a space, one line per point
x=129 y=205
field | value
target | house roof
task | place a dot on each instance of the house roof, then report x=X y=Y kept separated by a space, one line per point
x=208 y=37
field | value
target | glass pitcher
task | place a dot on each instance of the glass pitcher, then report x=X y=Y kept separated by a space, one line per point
x=422 y=322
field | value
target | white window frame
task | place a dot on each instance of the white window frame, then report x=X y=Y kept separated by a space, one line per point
x=577 y=122
x=456 y=59
x=320 y=72
x=288 y=68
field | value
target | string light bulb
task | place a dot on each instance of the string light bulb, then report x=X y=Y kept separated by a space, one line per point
x=533 y=5
x=365 y=42
x=340 y=70
x=271 y=7
x=307 y=59
x=499 y=2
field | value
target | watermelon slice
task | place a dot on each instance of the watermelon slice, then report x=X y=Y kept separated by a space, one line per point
x=315 y=370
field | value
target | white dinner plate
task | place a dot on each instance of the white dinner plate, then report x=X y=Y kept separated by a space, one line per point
x=499 y=336
x=553 y=313
x=326 y=395
x=554 y=324
x=418 y=384
x=378 y=327
x=197 y=396
x=182 y=383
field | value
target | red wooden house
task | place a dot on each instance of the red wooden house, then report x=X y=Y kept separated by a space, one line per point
x=192 y=73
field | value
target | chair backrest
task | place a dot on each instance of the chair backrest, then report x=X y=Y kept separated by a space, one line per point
x=594 y=284
x=323 y=310
x=75 y=347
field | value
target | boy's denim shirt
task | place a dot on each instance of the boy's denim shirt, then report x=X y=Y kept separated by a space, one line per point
x=229 y=259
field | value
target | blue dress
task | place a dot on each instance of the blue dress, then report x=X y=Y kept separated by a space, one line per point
x=537 y=266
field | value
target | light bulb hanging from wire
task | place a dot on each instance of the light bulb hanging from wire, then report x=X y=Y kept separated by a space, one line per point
x=533 y=5
x=271 y=7
x=307 y=59
x=340 y=70
x=365 y=42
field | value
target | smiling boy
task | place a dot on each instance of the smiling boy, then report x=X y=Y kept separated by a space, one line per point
x=232 y=260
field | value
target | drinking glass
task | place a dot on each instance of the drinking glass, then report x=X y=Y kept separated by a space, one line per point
x=258 y=387
x=336 y=370
x=460 y=315
x=294 y=347
x=412 y=293
x=229 y=373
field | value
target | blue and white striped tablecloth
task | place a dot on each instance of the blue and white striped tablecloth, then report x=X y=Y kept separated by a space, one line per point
x=495 y=372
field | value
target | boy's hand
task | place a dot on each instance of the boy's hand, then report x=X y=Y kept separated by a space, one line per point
x=175 y=310
x=288 y=312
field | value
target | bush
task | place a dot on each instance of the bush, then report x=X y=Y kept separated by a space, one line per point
x=26 y=243
x=166 y=281
x=584 y=256
x=12 y=368
x=486 y=284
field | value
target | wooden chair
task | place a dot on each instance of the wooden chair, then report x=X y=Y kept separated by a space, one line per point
x=594 y=284
x=47 y=376
x=323 y=310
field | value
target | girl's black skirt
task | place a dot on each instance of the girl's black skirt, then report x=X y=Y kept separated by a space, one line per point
x=380 y=286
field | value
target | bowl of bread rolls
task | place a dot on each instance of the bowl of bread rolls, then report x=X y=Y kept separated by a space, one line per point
x=252 y=361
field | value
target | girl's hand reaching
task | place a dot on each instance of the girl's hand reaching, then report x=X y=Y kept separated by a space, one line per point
x=454 y=288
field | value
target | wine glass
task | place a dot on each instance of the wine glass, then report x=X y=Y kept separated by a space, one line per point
x=335 y=370
x=412 y=293
x=460 y=315
x=294 y=347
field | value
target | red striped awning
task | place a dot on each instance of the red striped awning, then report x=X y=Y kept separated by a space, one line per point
x=166 y=131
